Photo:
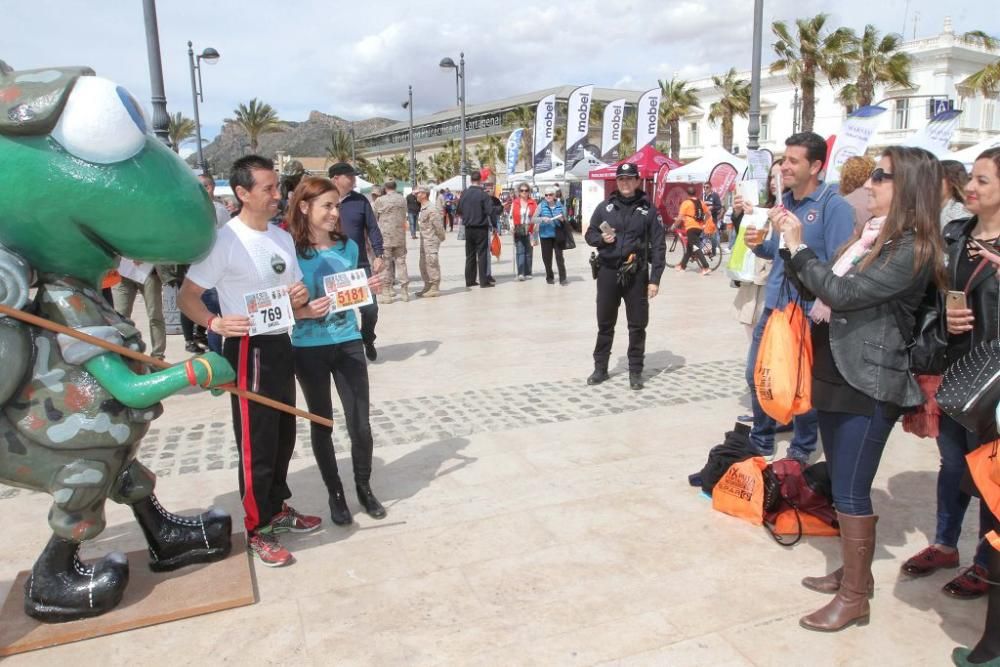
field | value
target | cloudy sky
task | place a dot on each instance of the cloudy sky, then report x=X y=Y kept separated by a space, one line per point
x=355 y=60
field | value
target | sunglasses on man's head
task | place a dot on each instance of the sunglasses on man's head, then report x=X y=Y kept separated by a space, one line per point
x=880 y=175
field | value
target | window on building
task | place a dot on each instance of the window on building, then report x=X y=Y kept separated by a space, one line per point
x=765 y=127
x=693 y=138
x=901 y=120
x=989 y=115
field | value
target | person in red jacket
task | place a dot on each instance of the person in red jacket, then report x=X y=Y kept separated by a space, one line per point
x=522 y=216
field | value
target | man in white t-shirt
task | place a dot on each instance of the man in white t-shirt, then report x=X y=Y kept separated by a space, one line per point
x=252 y=266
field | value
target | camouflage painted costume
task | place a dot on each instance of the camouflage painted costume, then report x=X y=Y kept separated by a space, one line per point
x=64 y=433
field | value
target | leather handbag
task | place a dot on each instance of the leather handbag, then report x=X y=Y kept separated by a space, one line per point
x=791 y=490
x=928 y=342
x=970 y=389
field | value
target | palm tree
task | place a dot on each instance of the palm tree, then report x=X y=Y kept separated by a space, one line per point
x=180 y=129
x=423 y=173
x=523 y=116
x=811 y=52
x=678 y=100
x=339 y=149
x=986 y=80
x=627 y=145
x=257 y=118
x=734 y=101
x=397 y=167
x=877 y=60
x=367 y=170
x=491 y=151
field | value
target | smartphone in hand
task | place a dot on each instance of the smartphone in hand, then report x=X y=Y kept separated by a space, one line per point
x=955 y=300
x=985 y=247
x=606 y=228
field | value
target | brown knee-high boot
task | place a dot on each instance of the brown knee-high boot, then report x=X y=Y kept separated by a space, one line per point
x=850 y=605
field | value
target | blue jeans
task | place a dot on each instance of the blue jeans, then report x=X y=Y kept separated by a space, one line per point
x=762 y=433
x=525 y=253
x=954 y=442
x=715 y=238
x=853 y=447
x=211 y=300
x=413 y=224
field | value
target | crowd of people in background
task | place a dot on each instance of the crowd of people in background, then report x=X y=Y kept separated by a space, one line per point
x=860 y=258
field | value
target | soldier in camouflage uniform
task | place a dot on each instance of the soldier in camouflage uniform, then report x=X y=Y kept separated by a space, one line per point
x=390 y=210
x=431 y=224
x=72 y=415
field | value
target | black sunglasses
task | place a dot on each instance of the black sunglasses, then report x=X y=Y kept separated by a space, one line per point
x=880 y=175
x=524 y=190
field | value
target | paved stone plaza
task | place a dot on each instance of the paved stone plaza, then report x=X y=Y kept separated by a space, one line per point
x=532 y=519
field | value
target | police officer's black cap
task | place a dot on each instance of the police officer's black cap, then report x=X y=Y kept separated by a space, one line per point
x=341 y=169
x=626 y=169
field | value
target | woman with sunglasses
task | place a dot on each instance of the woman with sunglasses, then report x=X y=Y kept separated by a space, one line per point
x=971 y=273
x=328 y=343
x=861 y=375
x=966 y=328
x=522 y=215
x=550 y=217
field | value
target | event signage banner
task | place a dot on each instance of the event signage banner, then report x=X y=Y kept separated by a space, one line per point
x=647 y=123
x=545 y=131
x=611 y=134
x=852 y=139
x=514 y=150
x=577 y=124
x=936 y=135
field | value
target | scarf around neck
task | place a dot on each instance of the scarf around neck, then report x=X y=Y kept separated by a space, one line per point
x=820 y=311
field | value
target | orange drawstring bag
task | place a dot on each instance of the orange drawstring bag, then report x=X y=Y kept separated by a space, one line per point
x=783 y=372
x=740 y=492
x=985 y=468
x=495 y=245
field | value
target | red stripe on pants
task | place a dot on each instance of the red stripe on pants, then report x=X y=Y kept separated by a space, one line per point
x=250 y=509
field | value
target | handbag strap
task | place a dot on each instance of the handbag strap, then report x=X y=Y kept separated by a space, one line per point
x=777 y=538
x=975 y=272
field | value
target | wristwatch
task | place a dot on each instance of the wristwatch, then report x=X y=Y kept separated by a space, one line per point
x=796 y=249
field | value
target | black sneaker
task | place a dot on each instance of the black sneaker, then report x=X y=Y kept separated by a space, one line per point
x=635 y=381
x=371 y=352
x=194 y=348
x=598 y=376
x=551 y=281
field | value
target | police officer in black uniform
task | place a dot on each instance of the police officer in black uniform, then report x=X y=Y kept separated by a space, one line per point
x=631 y=255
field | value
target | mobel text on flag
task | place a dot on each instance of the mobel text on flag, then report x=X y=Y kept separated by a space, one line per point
x=611 y=133
x=577 y=124
x=514 y=150
x=545 y=130
x=647 y=123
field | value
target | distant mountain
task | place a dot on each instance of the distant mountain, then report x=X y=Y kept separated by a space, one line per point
x=299 y=139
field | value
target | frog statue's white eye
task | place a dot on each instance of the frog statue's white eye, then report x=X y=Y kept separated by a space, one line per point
x=101 y=122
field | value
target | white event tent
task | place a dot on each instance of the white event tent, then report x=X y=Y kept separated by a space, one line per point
x=699 y=170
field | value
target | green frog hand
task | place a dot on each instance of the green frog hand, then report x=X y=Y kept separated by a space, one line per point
x=222 y=372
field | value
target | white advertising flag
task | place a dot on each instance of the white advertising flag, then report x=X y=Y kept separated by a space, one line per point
x=852 y=139
x=647 y=123
x=577 y=124
x=611 y=134
x=545 y=130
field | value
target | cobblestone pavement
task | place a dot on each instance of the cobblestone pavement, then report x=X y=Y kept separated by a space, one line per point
x=200 y=447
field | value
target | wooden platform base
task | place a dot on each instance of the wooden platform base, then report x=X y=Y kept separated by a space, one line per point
x=150 y=599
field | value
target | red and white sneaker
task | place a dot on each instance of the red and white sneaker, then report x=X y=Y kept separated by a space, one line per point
x=267 y=549
x=289 y=520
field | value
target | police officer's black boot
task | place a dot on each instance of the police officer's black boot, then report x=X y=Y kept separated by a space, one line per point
x=338 y=505
x=599 y=375
x=175 y=541
x=368 y=500
x=635 y=380
x=60 y=588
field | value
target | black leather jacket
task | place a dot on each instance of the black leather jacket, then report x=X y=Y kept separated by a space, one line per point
x=865 y=336
x=984 y=292
x=633 y=220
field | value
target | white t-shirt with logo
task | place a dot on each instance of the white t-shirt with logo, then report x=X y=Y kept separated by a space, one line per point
x=245 y=260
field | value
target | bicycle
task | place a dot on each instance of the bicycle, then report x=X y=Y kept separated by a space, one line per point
x=677 y=248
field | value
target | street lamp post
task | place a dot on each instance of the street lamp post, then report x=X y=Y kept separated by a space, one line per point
x=448 y=63
x=210 y=56
x=408 y=104
x=754 y=129
x=159 y=98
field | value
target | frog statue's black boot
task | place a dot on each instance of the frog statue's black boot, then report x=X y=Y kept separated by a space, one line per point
x=60 y=588
x=175 y=541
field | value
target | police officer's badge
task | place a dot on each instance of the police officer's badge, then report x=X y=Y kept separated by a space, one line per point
x=278 y=264
x=609 y=208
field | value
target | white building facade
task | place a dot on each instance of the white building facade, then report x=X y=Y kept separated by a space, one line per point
x=938 y=65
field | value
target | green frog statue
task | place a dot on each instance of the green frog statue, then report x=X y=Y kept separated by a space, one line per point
x=84 y=183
